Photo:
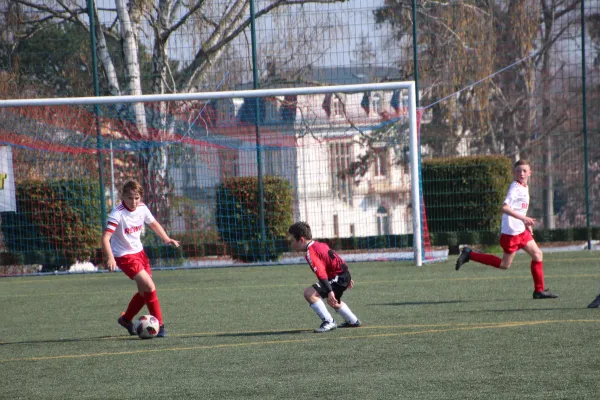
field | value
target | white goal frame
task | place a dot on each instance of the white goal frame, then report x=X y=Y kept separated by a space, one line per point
x=409 y=86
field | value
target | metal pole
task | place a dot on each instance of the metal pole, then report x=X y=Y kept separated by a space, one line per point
x=261 y=204
x=415 y=181
x=416 y=171
x=415 y=52
x=90 y=7
x=585 y=130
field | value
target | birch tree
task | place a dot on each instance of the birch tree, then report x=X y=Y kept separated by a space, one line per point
x=214 y=25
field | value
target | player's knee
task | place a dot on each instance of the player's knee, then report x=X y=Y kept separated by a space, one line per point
x=309 y=292
x=504 y=265
x=537 y=256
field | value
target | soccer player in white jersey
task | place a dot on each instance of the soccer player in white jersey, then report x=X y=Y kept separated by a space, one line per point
x=123 y=248
x=517 y=229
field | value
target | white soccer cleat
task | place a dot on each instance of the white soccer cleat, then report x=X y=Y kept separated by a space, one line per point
x=326 y=327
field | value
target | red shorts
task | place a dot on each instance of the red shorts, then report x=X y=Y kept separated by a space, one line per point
x=133 y=264
x=512 y=243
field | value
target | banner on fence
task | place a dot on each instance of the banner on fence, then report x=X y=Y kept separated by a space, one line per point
x=8 y=201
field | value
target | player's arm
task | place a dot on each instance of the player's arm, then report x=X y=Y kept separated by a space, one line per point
x=506 y=209
x=111 y=264
x=321 y=272
x=159 y=230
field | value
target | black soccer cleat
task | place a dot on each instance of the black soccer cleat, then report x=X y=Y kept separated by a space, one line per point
x=545 y=294
x=347 y=324
x=595 y=303
x=161 y=331
x=464 y=257
x=127 y=324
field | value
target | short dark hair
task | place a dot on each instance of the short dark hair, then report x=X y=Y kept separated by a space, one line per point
x=521 y=162
x=300 y=229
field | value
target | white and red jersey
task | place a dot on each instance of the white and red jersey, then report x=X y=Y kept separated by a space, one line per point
x=517 y=198
x=127 y=226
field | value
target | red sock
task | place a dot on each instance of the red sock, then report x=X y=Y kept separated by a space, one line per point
x=486 y=259
x=135 y=305
x=537 y=272
x=153 y=305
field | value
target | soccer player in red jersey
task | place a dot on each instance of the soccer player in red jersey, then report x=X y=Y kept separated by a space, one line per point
x=123 y=248
x=517 y=229
x=334 y=278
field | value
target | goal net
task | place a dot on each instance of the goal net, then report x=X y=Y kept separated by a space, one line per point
x=225 y=173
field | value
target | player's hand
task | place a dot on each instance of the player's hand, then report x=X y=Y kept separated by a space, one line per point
x=528 y=221
x=331 y=300
x=351 y=284
x=111 y=264
x=173 y=242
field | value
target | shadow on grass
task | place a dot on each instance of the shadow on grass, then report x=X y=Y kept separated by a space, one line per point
x=73 y=340
x=264 y=333
x=421 y=303
x=519 y=310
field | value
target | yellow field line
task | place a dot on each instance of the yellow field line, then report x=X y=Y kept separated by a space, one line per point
x=311 y=339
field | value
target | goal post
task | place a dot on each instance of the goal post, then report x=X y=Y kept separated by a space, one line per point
x=225 y=172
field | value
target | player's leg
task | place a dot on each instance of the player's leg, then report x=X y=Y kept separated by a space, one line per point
x=507 y=259
x=131 y=267
x=468 y=254
x=314 y=296
x=350 y=320
x=537 y=271
x=148 y=289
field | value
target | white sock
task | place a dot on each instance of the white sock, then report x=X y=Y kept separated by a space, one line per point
x=321 y=310
x=348 y=315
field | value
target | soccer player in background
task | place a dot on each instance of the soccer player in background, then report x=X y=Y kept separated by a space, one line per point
x=517 y=229
x=123 y=248
x=334 y=278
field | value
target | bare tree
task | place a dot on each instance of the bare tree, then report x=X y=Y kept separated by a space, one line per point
x=216 y=25
x=488 y=62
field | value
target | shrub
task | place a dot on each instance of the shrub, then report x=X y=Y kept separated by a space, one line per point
x=237 y=216
x=465 y=194
x=57 y=222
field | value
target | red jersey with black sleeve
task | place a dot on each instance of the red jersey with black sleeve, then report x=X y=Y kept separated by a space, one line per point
x=323 y=261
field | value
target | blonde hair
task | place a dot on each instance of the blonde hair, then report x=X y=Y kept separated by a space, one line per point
x=132 y=187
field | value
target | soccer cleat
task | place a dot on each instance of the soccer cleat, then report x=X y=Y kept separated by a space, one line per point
x=464 y=257
x=595 y=303
x=326 y=327
x=545 y=294
x=347 y=324
x=127 y=324
x=161 y=332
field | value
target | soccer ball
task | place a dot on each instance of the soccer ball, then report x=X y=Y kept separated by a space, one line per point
x=147 y=326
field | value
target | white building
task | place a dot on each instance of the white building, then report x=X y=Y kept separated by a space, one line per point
x=312 y=148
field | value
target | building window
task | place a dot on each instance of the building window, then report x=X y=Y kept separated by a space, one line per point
x=336 y=226
x=229 y=163
x=272 y=162
x=340 y=156
x=383 y=221
x=337 y=108
x=271 y=112
x=376 y=103
x=380 y=163
x=352 y=230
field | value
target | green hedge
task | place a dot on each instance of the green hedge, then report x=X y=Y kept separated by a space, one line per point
x=237 y=216
x=56 y=224
x=465 y=194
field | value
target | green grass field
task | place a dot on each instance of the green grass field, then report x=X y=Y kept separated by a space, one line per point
x=246 y=333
